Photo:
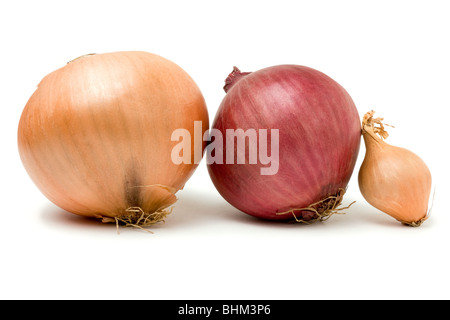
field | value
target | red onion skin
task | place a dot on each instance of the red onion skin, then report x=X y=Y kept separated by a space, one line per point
x=319 y=140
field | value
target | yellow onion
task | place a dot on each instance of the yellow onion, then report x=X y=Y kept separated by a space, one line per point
x=393 y=179
x=95 y=136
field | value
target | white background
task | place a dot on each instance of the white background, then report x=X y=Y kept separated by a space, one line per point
x=391 y=56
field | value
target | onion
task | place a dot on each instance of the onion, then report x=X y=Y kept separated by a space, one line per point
x=318 y=131
x=95 y=136
x=393 y=179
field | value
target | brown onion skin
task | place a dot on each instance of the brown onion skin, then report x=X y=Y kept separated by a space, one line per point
x=319 y=133
x=98 y=130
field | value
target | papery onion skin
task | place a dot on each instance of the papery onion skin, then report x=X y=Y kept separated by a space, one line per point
x=319 y=140
x=392 y=179
x=95 y=136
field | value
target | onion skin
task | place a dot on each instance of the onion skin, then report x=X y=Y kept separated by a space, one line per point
x=393 y=179
x=319 y=140
x=95 y=136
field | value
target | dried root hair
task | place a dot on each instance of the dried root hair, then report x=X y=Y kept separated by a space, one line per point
x=415 y=223
x=322 y=209
x=137 y=217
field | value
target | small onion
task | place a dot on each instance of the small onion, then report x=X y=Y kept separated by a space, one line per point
x=393 y=179
x=319 y=138
x=95 y=136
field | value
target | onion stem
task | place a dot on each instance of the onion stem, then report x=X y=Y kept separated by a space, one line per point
x=374 y=126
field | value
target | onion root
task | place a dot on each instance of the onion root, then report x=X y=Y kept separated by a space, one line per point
x=319 y=211
x=416 y=223
x=135 y=216
x=138 y=218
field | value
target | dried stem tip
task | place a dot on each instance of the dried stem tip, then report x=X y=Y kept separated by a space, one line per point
x=374 y=126
x=233 y=78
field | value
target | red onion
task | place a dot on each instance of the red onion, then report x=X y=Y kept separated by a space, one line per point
x=319 y=137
